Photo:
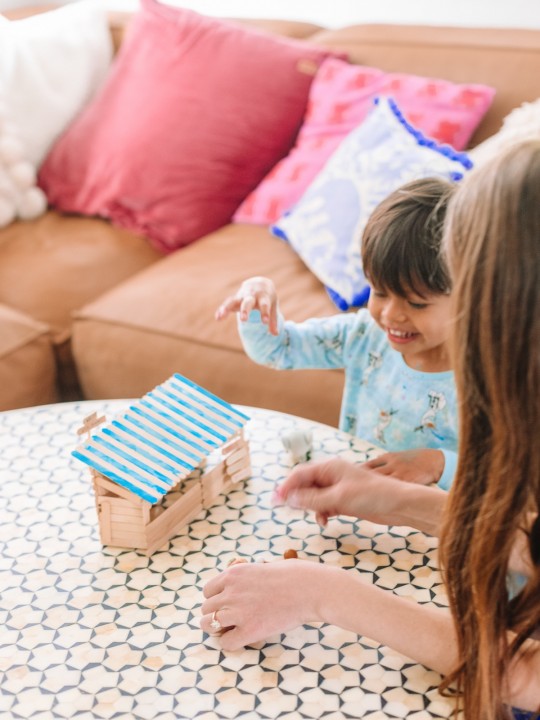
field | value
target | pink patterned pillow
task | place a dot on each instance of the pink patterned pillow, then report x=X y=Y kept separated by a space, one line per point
x=194 y=113
x=340 y=98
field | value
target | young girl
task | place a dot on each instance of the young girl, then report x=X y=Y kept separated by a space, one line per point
x=399 y=389
x=488 y=646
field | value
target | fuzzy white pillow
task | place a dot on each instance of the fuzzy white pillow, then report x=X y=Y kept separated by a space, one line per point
x=19 y=196
x=523 y=123
x=51 y=64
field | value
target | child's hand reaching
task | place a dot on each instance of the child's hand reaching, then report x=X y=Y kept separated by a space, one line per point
x=423 y=466
x=256 y=293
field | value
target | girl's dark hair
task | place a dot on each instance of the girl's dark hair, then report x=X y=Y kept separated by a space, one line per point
x=401 y=244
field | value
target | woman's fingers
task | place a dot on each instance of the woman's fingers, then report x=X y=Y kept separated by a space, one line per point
x=311 y=474
x=216 y=621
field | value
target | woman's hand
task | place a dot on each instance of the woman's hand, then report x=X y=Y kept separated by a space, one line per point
x=252 y=601
x=423 y=466
x=256 y=293
x=336 y=487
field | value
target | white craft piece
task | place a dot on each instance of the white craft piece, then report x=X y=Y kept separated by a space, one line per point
x=299 y=443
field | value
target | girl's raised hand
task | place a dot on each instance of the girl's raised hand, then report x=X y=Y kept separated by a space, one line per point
x=256 y=293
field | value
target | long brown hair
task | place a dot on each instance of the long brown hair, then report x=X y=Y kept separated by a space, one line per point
x=492 y=239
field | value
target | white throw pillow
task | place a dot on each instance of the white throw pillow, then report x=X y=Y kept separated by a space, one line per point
x=50 y=66
x=523 y=123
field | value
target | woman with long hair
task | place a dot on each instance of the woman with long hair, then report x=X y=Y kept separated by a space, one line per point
x=488 y=645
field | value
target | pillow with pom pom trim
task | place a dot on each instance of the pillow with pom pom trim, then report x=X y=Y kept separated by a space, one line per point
x=325 y=227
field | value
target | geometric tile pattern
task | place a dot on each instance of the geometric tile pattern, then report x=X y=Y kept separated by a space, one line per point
x=90 y=632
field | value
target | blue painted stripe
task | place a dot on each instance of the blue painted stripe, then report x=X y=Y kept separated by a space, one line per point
x=212 y=407
x=163 y=426
x=148 y=442
x=186 y=416
x=120 y=479
x=134 y=461
x=166 y=397
x=148 y=423
x=208 y=394
x=140 y=449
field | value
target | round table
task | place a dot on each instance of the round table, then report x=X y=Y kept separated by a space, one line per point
x=102 y=632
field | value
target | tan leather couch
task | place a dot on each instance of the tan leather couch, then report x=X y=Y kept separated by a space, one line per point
x=87 y=310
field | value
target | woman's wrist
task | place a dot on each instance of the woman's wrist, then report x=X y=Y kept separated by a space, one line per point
x=418 y=506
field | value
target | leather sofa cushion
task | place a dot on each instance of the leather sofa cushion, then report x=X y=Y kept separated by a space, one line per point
x=55 y=264
x=27 y=364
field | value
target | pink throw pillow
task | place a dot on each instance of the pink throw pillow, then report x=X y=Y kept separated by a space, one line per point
x=340 y=98
x=194 y=113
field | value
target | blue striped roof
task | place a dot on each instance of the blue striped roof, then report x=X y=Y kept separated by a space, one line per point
x=161 y=438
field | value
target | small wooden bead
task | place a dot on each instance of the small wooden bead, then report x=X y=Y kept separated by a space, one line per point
x=289 y=554
x=237 y=561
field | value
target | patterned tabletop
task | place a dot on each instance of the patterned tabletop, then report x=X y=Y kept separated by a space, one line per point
x=101 y=632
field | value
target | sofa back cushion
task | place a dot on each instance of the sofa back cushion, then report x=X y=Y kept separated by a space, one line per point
x=194 y=113
x=339 y=100
x=508 y=59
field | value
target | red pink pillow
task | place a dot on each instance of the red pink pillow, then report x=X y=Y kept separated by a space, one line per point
x=340 y=98
x=194 y=113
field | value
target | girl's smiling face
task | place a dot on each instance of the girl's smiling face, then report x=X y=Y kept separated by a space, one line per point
x=417 y=326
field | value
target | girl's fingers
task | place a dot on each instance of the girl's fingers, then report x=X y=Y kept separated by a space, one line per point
x=265 y=306
x=380 y=461
x=246 y=306
x=229 y=305
x=273 y=322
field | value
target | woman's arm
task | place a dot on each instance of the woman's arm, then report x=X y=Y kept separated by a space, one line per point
x=254 y=601
x=303 y=592
x=336 y=487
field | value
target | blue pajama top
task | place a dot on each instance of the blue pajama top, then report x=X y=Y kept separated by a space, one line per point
x=384 y=401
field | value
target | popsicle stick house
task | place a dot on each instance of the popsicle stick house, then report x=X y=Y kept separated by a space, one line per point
x=157 y=465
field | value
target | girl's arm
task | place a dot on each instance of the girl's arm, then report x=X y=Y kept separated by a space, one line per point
x=315 y=343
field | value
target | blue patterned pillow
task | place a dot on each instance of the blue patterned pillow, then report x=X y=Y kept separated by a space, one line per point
x=325 y=227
